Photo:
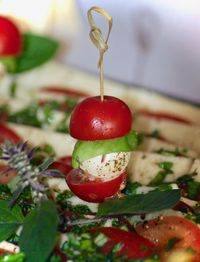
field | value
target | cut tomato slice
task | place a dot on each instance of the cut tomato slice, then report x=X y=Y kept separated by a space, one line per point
x=64 y=91
x=7 y=133
x=93 y=190
x=160 y=231
x=132 y=245
x=164 y=115
x=10 y=38
x=6 y=177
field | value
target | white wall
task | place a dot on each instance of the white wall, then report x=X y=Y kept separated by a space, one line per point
x=153 y=43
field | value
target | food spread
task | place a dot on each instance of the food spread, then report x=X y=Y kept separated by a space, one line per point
x=144 y=174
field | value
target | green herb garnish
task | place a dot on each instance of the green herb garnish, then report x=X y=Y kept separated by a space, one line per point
x=160 y=177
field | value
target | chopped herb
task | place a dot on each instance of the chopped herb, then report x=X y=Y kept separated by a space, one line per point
x=171 y=243
x=154 y=134
x=195 y=216
x=189 y=186
x=5 y=193
x=63 y=126
x=160 y=177
x=86 y=248
x=131 y=188
x=62 y=197
x=34 y=115
x=13 y=88
x=176 y=152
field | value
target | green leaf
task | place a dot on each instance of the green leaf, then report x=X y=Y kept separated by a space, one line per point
x=140 y=204
x=20 y=257
x=10 y=219
x=40 y=227
x=87 y=149
x=36 y=51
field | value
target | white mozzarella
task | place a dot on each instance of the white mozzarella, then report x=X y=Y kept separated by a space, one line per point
x=9 y=247
x=106 y=166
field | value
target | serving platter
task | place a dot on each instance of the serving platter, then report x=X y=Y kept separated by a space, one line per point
x=171 y=127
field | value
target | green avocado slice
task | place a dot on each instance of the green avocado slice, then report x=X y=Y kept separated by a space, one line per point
x=84 y=150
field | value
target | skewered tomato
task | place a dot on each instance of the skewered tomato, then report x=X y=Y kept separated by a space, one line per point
x=95 y=190
x=10 y=38
x=93 y=119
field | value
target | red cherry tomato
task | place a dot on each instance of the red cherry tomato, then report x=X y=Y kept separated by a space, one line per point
x=5 y=178
x=7 y=133
x=161 y=231
x=93 y=119
x=164 y=115
x=10 y=38
x=63 y=164
x=133 y=245
x=93 y=190
x=63 y=91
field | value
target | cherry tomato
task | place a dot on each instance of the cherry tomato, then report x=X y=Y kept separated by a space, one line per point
x=93 y=190
x=93 y=119
x=10 y=38
x=164 y=115
x=133 y=245
x=5 y=178
x=63 y=164
x=160 y=231
x=7 y=133
x=63 y=91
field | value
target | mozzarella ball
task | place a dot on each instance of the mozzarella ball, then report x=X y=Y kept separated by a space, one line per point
x=107 y=166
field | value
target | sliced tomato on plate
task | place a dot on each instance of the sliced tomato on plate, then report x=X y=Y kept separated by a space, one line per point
x=6 y=177
x=161 y=231
x=95 y=190
x=63 y=164
x=165 y=116
x=132 y=244
x=66 y=91
x=6 y=133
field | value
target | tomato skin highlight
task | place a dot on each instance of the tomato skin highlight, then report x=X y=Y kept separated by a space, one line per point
x=10 y=38
x=93 y=119
x=160 y=231
x=95 y=191
x=7 y=133
x=133 y=245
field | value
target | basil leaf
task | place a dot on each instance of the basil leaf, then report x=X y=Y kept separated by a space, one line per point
x=36 y=51
x=87 y=149
x=39 y=232
x=140 y=204
x=10 y=219
x=20 y=257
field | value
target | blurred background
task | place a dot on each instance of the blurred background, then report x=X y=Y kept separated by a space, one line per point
x=153 y=44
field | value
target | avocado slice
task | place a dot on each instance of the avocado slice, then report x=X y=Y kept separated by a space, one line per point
x=84 y=150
